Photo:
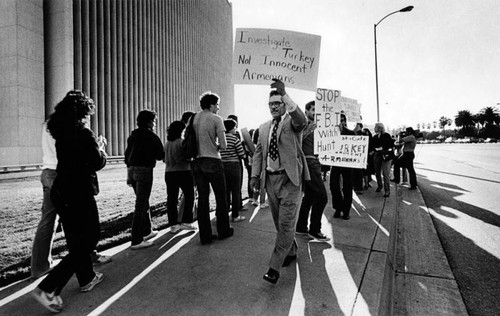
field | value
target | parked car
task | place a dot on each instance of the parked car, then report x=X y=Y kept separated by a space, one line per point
x=490 y=140
x=474 y=140
x=450 y=140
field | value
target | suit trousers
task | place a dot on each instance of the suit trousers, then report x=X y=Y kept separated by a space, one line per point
x=315 y=199
x=284 y=201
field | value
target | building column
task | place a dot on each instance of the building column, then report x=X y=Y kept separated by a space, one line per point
x=21 y=81
x=59 y=70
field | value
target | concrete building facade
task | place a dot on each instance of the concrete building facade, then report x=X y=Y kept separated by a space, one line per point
x=128 y=55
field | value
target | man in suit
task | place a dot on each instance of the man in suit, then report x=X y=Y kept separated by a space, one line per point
x=279 y=166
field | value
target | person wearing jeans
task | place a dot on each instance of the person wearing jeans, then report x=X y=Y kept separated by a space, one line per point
x=231 y=160
x=144 y=147
x=208 y=169
x=178 y=175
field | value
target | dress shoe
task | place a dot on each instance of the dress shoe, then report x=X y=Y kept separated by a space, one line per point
x=378 y=189
x=289 y=260
x=387 y=195
x=209 y=241
x=346 y=217
x=336 y=214
x=272 y=276
x=412 y=188
x=229 y=233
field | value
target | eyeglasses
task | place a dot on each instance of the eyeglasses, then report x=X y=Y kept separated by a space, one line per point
x=275 y=104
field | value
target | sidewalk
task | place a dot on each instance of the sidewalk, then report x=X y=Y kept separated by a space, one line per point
x=356 y=273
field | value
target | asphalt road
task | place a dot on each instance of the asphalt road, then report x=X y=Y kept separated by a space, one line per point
x=460 y=184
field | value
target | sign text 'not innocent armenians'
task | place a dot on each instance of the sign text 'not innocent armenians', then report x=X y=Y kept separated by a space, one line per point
x=333 y=148
x=261 y=55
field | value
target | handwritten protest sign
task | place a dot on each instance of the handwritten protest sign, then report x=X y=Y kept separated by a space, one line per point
x=263 y=54
x=332 y=148
x=333 y=102
x=348 y=151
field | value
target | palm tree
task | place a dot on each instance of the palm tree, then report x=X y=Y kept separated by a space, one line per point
x=464 y=118
x=479 y=119
x=443 y=121
x=489 y=115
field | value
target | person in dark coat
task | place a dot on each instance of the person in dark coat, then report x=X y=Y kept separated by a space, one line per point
x=144 y=148
x=79 y=154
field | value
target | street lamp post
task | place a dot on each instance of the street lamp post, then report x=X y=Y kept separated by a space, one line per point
x=405 y=9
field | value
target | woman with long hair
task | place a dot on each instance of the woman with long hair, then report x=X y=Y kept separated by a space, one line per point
x=79 y=154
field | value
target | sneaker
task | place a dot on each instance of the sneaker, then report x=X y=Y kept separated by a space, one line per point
x=50 y=301
x=96 y=280
x=174 y=229
x=319 y=236
x=186 y=226
x=151 y=235
x=238 y=219
x=144 y=244
x=264 y=205
x=302 y=232
x=98 y=259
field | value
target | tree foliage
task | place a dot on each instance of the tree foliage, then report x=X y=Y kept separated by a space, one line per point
x=489 y=116
x=464 y=119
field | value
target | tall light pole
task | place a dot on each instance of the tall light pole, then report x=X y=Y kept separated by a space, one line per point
x=405 y=9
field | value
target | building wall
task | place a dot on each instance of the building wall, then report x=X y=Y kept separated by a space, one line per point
x=21 y=81
x=128 y=55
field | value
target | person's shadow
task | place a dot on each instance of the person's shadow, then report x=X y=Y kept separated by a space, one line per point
x=317 y=290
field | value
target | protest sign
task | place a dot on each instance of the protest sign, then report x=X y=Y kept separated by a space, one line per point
x=346 y=151
x=263 y=54
x=332 y=148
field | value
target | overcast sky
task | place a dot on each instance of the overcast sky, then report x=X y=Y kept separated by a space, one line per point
x=442 y=57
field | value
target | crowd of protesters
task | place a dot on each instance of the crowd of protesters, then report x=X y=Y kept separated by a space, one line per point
x=279 y=164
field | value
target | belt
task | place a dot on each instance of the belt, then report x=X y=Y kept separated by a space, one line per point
x=276 y=172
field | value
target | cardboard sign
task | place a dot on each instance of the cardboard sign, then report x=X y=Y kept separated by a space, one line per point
x=263 y=54
x=335 y=149
x=333 y=102
x=346 y=151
